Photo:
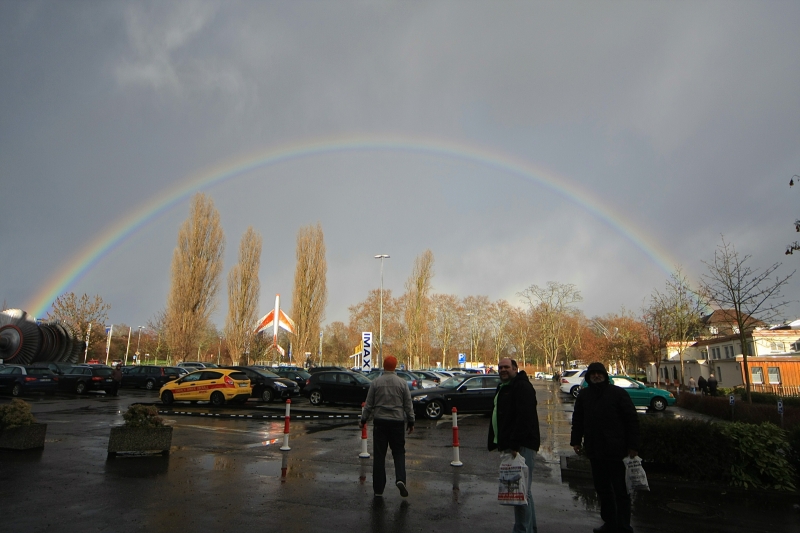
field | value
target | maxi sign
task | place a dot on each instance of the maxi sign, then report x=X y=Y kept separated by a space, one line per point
x=366 y=351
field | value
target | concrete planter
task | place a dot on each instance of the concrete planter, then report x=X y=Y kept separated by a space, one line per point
x=127 y=439
x=23 y=437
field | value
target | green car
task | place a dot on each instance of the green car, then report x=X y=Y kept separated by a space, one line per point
x=641 y=394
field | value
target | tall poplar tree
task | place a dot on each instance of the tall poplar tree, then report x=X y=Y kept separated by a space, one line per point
x=310 y=294
x=243 y=291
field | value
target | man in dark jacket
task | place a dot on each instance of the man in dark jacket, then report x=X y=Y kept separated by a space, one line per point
x=606 y=424
x=515 y=429
x=712 y=385
x=703 y=385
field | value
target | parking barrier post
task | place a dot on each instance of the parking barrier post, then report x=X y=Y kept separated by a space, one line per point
x=285 y=447
x=364 y=453
x=456 y=460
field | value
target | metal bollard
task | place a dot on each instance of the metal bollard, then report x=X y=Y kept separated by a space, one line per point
x=285 y=447
x=456 y=461
x=364 y=453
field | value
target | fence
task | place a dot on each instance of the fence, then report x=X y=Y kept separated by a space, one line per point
x=780 y=390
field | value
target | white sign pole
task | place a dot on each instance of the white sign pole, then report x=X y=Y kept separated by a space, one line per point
x=366 y=357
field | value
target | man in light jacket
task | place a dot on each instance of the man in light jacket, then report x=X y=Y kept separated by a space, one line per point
x=389 y=403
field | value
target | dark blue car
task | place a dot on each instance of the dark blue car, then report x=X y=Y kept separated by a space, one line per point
x=19 y=380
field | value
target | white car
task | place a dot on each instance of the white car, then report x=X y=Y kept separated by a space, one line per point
x=571 y=381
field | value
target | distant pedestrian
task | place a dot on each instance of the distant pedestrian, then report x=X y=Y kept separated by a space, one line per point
x=712 y=385
x=514 y=428
x=692 y=385
x=606 y=426
x=703 y=384
x=389 y=403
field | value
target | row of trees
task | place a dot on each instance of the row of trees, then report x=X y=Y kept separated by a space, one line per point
x=544 y=328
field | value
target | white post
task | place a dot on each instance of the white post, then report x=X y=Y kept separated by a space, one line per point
x=456 y=460
x=128 y=349
x=364 y=452
x=285 y=447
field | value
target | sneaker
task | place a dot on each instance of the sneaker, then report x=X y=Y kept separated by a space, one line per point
x=403 y=490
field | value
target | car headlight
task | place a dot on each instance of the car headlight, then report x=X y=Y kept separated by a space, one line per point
x=420 y=398
x=671 y=395
x=280 y=385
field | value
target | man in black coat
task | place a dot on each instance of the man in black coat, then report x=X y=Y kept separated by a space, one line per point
x=515 y=429
x=605 y=424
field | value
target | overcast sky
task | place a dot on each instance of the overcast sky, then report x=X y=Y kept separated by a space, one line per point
x=594 y=143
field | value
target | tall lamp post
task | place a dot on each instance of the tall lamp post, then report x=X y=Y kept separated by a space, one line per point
x=380 y=326
x=138 y=342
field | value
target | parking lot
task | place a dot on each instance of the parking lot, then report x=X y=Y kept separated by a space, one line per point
x=225 y=472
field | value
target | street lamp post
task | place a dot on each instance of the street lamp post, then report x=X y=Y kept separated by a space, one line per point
x=138 y=342
x=380 y=326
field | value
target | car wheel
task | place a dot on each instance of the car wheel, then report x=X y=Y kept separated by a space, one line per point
x=217 y=399
x=150 y=385
x=80 y=388
x=17 y=390
x=575 y=391
x=658 y=404
x=267 y=394
x=434 y=410
x=315 y=397
x=167 y=398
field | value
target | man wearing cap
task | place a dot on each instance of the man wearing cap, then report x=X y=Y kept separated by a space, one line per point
x=605 y=425
x=515 y=428
x=389 y=403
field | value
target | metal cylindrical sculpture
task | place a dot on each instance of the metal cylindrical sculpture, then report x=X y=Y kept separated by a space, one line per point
x=23 y=341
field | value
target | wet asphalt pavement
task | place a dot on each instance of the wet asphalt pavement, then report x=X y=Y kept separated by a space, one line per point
x=226 y=473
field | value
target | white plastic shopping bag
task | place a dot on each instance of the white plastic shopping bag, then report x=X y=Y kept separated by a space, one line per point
x=513 y=480
x=635 y=477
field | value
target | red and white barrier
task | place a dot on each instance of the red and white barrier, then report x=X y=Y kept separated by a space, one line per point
x=364 y=453
x=285 y=447
x=456 y=460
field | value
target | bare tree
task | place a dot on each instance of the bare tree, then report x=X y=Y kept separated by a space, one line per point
x=748 y=294
x=446 y=310
x=310 y=294
x=339 y=344
x=476 y=312
x=499 y=318
x=418 y=288
x=551 y=305
x=79 y=312
x=196 y=269
x=243 y=291
x=678 y=310
x=520 y=329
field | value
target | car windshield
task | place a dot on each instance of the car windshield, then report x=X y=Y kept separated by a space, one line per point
x=370 y=376
x=266 y=373
x=361 y=379
x=454 y=382
x=102 y=371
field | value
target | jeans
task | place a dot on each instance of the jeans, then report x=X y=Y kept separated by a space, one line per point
x=525 y=515
x=388 y=434
x=609 y=483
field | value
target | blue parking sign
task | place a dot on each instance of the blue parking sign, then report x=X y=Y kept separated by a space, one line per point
x=462 y=358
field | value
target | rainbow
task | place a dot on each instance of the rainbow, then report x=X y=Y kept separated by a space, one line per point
x=115 y=234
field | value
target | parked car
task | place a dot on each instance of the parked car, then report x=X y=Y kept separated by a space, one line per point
x=543 y=375
x=429 y=374
x=298 y=375
x=195 y=365
x=641 y=394
x=267 y=385
x=19 y=380
x=412 y=380
x=315 y=369
x=151 y=377
x=84 y=378
x=214 y=385
x=336 y=386
x=571 y=381
x=55 y=368
x=468 y=393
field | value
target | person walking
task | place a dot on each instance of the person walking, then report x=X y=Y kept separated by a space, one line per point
x=389 y=403
x=703 y=385
x=692 y=385
x=605 y=425
x=712 y=385
x=515 y=428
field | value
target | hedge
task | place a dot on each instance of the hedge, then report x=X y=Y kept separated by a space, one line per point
x=755 y=413
x=746 y=455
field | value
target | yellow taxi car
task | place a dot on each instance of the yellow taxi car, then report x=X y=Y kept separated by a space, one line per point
x=214 y=385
